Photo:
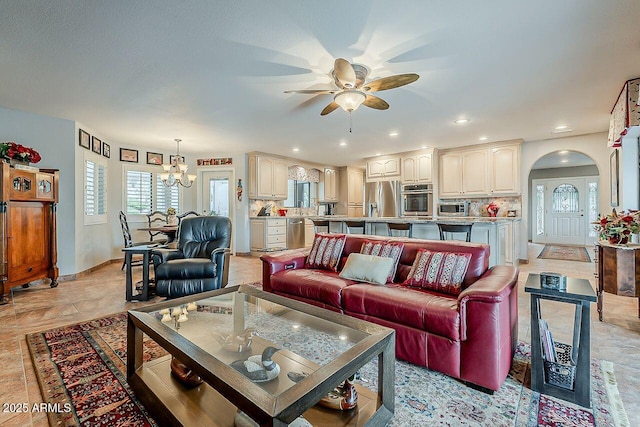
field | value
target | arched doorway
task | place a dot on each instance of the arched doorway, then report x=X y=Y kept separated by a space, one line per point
x=563 y=198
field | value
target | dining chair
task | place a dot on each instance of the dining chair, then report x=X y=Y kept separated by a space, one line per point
x=128 y=241
x=156 y=219
x=187 y=215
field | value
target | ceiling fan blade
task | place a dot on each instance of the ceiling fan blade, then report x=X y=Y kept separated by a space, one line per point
x=313 y=91
x=375 y=102
x=390 y=82
x=329 y=108
x=345 y=73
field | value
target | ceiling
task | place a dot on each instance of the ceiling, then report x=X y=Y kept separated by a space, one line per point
x=214 y=72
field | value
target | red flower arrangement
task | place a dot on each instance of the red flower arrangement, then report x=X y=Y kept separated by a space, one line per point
x=618 y=227
x=11 y=150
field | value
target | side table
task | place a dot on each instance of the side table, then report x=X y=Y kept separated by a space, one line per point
x=580 y=293
x=145 y=251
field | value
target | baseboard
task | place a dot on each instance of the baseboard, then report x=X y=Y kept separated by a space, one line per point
x=81 y=274
x=523 y=261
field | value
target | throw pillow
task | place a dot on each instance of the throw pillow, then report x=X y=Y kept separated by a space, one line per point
x=439 y=271
x=326 y=251
x=384 y=248
x=367 y=268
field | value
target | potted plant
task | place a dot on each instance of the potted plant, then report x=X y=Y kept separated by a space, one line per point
x=617 y=228
x=172 y=219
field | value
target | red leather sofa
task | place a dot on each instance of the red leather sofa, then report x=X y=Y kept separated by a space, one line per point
x=471 y=337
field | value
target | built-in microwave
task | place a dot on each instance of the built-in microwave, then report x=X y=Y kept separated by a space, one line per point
x=453 y=209
x=417 y=200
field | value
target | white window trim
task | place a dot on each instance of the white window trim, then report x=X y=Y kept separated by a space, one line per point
x=99 y=161
x=144 y=168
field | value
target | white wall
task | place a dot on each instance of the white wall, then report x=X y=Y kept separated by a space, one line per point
x=54 y=139
x=593 y=145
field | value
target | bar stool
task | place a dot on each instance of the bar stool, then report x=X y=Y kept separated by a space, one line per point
x=351 y=225
x=400 y=226
x=455 y=228
x=320 y=226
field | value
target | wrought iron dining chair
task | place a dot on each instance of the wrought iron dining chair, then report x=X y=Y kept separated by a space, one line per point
x=157 y=219
x=187 y=215
x=128 y=241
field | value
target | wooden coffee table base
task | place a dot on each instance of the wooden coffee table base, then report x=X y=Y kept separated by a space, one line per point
x=175 y=405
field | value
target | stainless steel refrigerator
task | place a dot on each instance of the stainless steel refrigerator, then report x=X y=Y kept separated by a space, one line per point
x=382 y=199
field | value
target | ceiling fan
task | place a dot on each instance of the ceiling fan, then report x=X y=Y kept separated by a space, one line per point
x=353 y=89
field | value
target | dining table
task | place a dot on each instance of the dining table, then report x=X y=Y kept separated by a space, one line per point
x=171 y=231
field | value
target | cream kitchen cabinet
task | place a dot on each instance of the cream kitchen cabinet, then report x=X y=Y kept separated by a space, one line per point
x=267 y=178
x=268 y=234
x=417 y=169
x=383 y=169
x=329 y=185
x=351 y=191
x=309 y=233
x=463 y=173
x=504 y=167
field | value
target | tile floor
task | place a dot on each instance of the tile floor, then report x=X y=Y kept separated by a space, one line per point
x=101 y=293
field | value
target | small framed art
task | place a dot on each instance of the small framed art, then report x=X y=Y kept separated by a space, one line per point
x=154 y=158
x=173 y=158
x=96 y=145
x=106 y=150
x=128 y=155
x=85 y=139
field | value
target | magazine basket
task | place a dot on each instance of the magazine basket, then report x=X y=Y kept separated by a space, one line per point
x=563 y=372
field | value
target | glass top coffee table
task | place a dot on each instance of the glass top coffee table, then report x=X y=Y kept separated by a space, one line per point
x=318 y=350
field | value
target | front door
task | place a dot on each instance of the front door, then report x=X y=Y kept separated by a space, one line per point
x=566 y=213
x=218 y=195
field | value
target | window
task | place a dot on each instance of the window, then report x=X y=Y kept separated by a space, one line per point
x=593 y=206
x=145 y=192
x=539 y=210
x=95 y=191
x=565 y=199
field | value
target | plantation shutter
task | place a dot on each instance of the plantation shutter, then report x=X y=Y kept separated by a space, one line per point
x=139 y=195
x=166 y=197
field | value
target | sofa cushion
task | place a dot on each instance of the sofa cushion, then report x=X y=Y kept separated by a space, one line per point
x=326 y=251
x=310 y=284
x=412 y=307
x=367 y=268
x=386 y=249
x=439 y=271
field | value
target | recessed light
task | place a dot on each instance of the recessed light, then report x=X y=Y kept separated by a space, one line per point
x=342 y=144
x=483 y=138
x=566 y=129
x=295 y=150
x=393 y=133
x=563 y=152
x=561 y=127
x=461 y=121
x=564 y=161
x=424 y=147
x=378 y=154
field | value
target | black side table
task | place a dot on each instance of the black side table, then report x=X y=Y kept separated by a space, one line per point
x=145 y=251
x=580 y=293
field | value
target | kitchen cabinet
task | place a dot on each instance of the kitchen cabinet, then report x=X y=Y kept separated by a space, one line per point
x=504 y=167
x=351 y=191
x=309 y=233
x=267 y=178
x=417 y=169
x=488 y=171
x=268 y=234
x=328 y=185
x=28 y=242
x=383 y=169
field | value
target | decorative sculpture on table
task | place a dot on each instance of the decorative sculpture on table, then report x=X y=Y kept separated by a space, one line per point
x=185 y=375
x=237 y=343
x=342 y=398
x=259 y=368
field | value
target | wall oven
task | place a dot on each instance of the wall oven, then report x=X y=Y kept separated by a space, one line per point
x=417 y=200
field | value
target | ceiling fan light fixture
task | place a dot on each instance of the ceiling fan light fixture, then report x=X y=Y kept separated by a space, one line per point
x=350 y=99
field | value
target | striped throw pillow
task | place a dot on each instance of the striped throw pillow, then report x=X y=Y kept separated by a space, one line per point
x=439 y=271
x=326 y=251
x=385 y=249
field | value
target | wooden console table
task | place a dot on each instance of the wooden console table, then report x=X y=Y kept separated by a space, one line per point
x=617 y=271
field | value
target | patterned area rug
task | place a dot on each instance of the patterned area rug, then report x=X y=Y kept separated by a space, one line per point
x=565 y=253
x=82 y=367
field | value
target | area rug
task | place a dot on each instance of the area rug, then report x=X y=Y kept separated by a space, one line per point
x=565 y=253
x=81 y=370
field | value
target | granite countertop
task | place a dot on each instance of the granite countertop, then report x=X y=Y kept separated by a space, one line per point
x=418 y=220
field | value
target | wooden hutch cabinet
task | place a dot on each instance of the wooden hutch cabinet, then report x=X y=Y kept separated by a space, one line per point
x=28 y=245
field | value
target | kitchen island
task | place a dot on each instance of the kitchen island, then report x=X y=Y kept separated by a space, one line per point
x=502 y=234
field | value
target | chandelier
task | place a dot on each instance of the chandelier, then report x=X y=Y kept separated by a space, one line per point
x=176 y=172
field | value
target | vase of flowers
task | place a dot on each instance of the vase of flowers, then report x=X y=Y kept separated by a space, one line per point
x=617 y=228
x=172 y=219
x=18 y=154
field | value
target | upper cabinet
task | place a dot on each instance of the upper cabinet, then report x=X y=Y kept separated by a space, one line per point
x=329 y=185
x=383 y=169
x=267 y=178
x=487 y=171
x=418 y=168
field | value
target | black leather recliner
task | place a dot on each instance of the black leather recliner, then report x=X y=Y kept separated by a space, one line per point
x=201 y=261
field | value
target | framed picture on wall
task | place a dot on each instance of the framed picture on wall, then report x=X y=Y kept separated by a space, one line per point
x=128 y=155
x=173 y=159
x=154 y=158
x=614 y=173
x=85 y=139
x=106 y=150
x=96 y=145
